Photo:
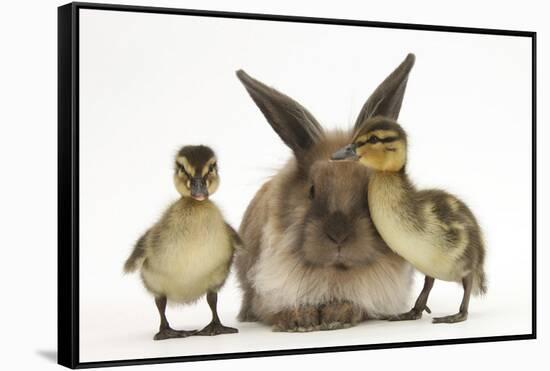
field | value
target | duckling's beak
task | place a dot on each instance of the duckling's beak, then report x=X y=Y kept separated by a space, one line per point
x=199 y=190
x=347 y=153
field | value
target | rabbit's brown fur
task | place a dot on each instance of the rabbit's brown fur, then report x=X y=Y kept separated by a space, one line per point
x=312 y=258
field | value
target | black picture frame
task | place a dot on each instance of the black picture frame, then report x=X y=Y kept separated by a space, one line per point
x=68 y=182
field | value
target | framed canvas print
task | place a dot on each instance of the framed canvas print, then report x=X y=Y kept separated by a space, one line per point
x=241 y=185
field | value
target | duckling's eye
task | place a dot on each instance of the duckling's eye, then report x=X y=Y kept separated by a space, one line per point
x=311 y=192
x=374 y=139
x=212 y=167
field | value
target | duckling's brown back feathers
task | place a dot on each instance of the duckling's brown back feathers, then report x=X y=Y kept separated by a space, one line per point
x=454 y=215
x=432 y=229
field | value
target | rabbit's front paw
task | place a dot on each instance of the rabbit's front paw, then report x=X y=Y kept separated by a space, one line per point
x=302 y=319
x=339 y=315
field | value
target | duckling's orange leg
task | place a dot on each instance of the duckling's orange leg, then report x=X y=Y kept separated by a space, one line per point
x=215 y=326
x=165 y=331
x=462 y=315
x=419 y=305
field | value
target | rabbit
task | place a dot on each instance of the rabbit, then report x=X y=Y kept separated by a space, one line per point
x=312 y=258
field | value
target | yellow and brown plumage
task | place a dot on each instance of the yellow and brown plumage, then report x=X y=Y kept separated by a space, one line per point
x=188 y=252
x=432 y=229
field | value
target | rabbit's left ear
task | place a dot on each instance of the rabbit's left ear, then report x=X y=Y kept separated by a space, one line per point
x=290 y=120
x=387 y=98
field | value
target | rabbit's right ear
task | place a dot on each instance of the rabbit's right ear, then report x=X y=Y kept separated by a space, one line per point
x=388 y=96
x=292 y=122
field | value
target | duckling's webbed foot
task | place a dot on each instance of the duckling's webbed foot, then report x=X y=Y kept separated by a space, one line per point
x=462 y=315
x=411 y=315
x=459 y=317
x=419 y=306
x=165 y=331
x=215 y=327
x=170 y=333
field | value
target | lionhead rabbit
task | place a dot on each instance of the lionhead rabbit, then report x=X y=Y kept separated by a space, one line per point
x=312 y=258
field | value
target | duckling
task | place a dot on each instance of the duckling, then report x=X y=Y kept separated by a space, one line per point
x=432 y=229
x=188 y=252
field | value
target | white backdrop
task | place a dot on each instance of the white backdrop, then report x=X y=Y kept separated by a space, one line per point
x=150 y=83
x=28 y=151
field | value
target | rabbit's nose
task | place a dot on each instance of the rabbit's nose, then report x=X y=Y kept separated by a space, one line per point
x=337 y=228
x=337 y=238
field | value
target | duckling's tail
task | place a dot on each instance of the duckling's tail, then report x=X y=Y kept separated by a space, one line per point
x=137 y=257
x=480 y=282
x=133 y=263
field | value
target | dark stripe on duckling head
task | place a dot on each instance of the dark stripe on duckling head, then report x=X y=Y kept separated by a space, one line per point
x=182 y=168
x=197 y=156
x=374 y=138
x=384 y=124
x=388 y=139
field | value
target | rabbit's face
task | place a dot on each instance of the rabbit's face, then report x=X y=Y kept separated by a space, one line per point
x=338 y=231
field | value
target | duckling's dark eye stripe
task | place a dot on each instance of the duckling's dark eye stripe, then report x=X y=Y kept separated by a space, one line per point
x=388 y=139
x=182 y=168
x=374 y=139
x=210 y=170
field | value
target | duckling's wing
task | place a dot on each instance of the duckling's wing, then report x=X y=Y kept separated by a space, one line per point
x=446 y=207
x=236 y=240
x=137 y=257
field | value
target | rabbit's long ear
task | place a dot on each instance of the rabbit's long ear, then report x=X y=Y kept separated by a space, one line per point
x=292 y=122
x=388 y=96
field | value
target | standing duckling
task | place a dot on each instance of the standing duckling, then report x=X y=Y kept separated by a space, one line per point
x=433 y=230
x=188 y=252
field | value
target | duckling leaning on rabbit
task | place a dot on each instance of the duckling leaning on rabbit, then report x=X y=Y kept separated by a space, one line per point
x=432 y=229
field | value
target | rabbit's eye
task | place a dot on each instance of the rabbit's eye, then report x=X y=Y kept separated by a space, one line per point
x=311 y=192
x=374 y=139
